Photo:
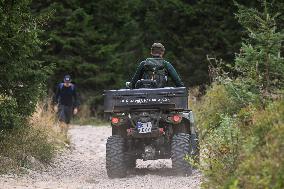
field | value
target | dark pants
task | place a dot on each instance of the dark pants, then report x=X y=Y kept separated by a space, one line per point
x=65 y=113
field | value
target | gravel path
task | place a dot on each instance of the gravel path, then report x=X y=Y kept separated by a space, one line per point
x=83 y=167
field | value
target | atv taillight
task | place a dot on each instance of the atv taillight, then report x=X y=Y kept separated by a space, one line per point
x=176 y=118
x=114 y=120
x=161 y=130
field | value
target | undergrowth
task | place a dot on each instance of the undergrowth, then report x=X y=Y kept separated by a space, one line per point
x=241 y=143
x=240 y=118
x=32 y=144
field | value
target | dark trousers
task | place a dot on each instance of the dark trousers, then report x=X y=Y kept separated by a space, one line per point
x=65 y=113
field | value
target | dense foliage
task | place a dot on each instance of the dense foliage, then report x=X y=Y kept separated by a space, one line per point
x=100 y=43
x=241 y=118
x=22 y=82
x=260 y=60
x=21 y=74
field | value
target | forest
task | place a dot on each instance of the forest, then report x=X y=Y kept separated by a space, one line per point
x=228 y=53
x=101 y=43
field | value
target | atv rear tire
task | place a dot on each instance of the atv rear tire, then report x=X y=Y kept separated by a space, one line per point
x=181 y=147
x=130 y=161
x=115 y=157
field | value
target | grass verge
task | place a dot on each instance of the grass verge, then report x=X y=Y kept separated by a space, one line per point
x=31 y=145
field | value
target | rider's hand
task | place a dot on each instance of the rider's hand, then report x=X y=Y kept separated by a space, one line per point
x=55 y=108
x=75 y=111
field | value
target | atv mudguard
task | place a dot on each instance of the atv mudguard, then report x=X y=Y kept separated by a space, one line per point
x=188 y=117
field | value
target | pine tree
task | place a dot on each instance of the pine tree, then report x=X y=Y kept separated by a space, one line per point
x=260 y=60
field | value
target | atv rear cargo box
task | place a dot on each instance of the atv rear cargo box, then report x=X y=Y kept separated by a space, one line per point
x=172 y=98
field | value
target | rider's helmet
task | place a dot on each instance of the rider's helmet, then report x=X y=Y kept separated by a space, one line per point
x=157 y=49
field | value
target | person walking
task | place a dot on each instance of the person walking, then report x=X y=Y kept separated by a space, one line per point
x=66 y=103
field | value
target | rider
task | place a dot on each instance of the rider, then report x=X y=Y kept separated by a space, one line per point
x=156 y=68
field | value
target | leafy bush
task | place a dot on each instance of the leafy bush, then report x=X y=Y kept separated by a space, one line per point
x=220 y=135
x=21 y=75
x=216 y=102
x=262 y=163
x=8 y=114
x=221 y=151
x=241 y=143
x=241 y=119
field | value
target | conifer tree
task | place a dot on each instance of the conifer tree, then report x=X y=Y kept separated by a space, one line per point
x=260 y=60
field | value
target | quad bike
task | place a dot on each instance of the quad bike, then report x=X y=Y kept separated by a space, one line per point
x=149 y=124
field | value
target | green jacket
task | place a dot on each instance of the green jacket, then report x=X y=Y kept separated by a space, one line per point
x=169 y=71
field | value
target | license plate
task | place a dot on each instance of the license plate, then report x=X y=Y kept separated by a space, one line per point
x=144 y=127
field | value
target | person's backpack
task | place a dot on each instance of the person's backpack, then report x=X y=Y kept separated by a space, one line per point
x=61 y=85
x=154 y=69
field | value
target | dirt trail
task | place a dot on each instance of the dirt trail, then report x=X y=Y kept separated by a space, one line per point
x=83 y=167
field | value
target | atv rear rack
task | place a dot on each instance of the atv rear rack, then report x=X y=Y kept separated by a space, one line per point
x=168 y=98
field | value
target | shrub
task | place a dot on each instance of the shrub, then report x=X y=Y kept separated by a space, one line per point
x=221 y=152
x=213 y=105
x=220 y=135
x=241 y=142
x=21 y=75
x=8 y=114
x=36 y=140
x=262 y=163
x=241 y=127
